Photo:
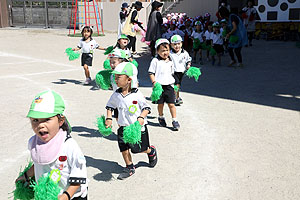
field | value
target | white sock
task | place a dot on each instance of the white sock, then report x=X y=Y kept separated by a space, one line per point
x=161 y=117
x=174 y=119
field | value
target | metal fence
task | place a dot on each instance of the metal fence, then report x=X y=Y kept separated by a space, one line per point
x=45 y=13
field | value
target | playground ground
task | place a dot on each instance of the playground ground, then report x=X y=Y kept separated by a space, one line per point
x=240 y=127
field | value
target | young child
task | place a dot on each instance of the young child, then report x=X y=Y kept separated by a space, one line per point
x=197 y=36
x=122 y=43
x=182 y=62
x=132 y=107
x=208 y=37
x=161 y=70
x=52 y=148
x=217 y=43
x=87 y=45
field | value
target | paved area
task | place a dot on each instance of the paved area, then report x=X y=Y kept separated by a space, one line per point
x=240 y=127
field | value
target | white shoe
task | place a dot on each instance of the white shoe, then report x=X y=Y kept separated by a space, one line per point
x=87 y=81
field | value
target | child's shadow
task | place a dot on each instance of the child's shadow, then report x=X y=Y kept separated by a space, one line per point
x=89 y=132
x=106 y=167
x=93 y=84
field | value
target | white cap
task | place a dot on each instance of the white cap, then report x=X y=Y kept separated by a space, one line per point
x=161 y=41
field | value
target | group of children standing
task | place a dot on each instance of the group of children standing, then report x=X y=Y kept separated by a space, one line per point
x=52 y=148
x=199 y=34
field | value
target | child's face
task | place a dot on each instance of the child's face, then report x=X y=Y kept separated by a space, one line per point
x=224 y=25
x=210 y=28
x=122 y=80
x=198 y=27
x=86 y=34
x=46 y=128
x=123 y=43
x=164 y=51
x=216 y=29
x=114 y=62
x=177 y=46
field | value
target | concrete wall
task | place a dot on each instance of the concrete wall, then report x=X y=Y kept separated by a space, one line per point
x=197 y=7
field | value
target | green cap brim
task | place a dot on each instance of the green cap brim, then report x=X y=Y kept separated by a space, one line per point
x=37 y=114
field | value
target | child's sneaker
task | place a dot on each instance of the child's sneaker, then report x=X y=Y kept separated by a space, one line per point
x=152 y=157
x=177 y=102
x=162 y=121
x=126 y=173
x=87 y=81
x=180 y=101
x=176 y=125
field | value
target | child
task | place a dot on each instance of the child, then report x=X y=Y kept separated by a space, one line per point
x=132 y=107
x=197 y=36
x=182 y=62
x=122 y=43
x=52 y=148
x=224 y=30
x=208 y=37
x=87 y=46
x=217 y=43
x=161 y=70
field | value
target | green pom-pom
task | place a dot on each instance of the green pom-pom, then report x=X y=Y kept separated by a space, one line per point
x=106 y=64
x=212 y=51
x=157 y=91
x=204 y=46
x=135 y=63
x=224 y=33
x=176 y=88
x=196 y=43
x=132 y=134
x=103 y=79
x=46 y=189
x=233 y=39
x=72 y=55
x=108 y=50
x=24 y=190
x=102 y=127
x=193 y=72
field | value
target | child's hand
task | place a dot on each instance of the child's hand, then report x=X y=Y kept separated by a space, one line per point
x=141 y=121
x=20 y=178
x=153 y=83
x=108 y=123
x=187 y=67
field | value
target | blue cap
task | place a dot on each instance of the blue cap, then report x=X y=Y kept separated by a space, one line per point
x=125 y=5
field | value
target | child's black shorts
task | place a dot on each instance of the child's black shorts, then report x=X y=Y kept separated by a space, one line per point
x=208 y=42
x=87 y=59
x=137 y=148
x=178 y=77
x=168 y=95
x=219 y=48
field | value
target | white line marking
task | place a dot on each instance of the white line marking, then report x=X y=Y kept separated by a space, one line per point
x=38 y=73
x=16 y=63
x=35 y=59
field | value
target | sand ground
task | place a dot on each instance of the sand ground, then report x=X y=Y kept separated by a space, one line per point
x=240 y=127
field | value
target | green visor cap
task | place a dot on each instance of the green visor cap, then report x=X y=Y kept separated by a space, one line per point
x=46 y=104
x=123 y=36
x=125 y=68
x=176 y=39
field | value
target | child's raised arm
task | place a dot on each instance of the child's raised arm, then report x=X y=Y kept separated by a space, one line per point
x=76 y=49
x=101 y=48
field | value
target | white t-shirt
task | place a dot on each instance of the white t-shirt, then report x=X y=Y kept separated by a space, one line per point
x=72 y=170
x=87 y=47
x=208 y=35
x=129 y=106
x=180 y=59
x=162 y=70
x=197 y=35
x=217 y=38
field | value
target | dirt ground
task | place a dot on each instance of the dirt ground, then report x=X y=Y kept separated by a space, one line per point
x=239 y=136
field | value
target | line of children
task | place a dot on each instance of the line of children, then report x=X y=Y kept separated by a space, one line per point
x=87 y=45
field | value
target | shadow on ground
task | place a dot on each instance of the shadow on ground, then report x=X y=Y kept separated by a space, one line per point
x=89 y=132
x=270 y=76
x=93 y=84
x=106 y=167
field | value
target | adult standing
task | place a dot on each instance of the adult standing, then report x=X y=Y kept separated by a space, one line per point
x=122 y=17
x=129 y=29
x=237 y=36
x=154 y=25
x=249 y=15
